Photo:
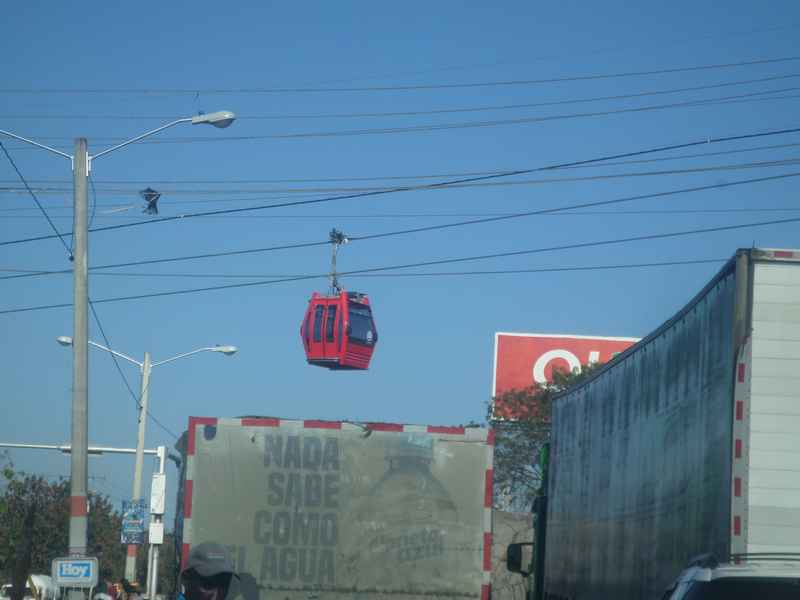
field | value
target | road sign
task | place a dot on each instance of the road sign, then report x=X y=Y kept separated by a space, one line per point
x=79 y=572
x=133 y=513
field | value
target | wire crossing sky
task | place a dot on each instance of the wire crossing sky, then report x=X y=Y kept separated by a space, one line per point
x=591 y=170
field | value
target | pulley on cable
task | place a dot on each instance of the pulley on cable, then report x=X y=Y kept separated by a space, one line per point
x=338 y=331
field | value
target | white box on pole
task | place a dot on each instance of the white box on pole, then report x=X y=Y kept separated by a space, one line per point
x=158 y=493
x=156 y=532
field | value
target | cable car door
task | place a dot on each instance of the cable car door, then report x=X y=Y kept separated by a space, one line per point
x=314 y=335
x=331 y=338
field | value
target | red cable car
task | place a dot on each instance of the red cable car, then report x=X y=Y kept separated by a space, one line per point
x=338 y=331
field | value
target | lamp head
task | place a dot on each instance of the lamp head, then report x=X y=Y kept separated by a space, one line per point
x=221 y=119
x=226 y=350
x=64 y=340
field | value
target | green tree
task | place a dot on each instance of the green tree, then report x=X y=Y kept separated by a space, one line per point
x=34 y=528
x=6 y=475
x=167 y=566
x=520 y=436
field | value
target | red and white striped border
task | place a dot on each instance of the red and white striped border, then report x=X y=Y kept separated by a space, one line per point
x=488 y=496
x=740 y=457
x=472 y=433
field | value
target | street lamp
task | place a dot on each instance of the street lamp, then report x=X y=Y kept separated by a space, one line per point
x=145 y=367
x=81 y=166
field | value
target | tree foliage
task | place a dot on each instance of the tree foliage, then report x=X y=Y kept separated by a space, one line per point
x=34 y=528
x=519 y=440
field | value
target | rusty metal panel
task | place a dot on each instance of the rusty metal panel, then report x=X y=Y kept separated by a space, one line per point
x=641 y=458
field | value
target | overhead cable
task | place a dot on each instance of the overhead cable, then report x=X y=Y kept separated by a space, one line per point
x=36 y=200
x=395 y=88
x=425 y=274
x=735 y=99
x=753 y=97
x=418 y=113
x=427 y=186
x=602 y=177
x=479 y=221
x=139 y=182
x=638 y=238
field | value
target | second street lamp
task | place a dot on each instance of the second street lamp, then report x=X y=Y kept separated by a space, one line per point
x=145 y=366
x=81 y=166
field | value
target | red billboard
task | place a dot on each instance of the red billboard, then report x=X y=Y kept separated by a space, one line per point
x=522 y=359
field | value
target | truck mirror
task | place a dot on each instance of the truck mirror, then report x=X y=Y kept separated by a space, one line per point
x=514 y=558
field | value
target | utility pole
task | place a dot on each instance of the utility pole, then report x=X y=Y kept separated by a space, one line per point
x=156 y=522
x=81 y=166
x=130 y=559
x=80 y=365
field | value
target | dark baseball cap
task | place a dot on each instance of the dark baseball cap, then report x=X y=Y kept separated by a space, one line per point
x=209 y=559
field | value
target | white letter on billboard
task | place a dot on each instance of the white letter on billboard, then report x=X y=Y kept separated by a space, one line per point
x=544 y=359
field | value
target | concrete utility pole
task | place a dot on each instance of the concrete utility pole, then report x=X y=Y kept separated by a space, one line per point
x=81 y=166
x=80 y=364
x=130 y=559
x=146 y=367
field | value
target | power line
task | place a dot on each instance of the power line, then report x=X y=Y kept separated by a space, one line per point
x=426 y=274
x=429 y=263
x=403 y=177
x=427 y=228
x=744 y=98
x=35 y=199
x=706 y=141
x=601 y=177
x=395 y=88
x=137 y=399
x=592 y=53
x=91 y=305
x=113 y=356
x=327 y=217
x=478 y=124
x=443 y=111
x=738 y=98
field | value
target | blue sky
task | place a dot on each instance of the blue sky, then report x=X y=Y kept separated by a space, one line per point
x=315 y=109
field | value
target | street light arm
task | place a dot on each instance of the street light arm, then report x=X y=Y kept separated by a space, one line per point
x=185 y=354
x=115 y=353
x=37 y=144
x=140 y=137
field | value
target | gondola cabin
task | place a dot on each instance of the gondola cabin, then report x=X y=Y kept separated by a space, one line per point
x=338 y=331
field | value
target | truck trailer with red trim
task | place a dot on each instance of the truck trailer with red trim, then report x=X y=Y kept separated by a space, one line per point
x=335 y=510
x=687 y=443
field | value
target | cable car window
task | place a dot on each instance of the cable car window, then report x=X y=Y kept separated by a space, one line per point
x=330 y=323
x=361 y=329
x=318 y=323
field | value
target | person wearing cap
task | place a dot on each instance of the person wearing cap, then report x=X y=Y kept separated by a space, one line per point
x=208 y=573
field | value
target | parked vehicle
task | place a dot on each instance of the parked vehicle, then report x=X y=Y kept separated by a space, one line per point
x=339 y=510
x=39 y=587
x=43 y=587
x=685 y=444
x=5 y=592
x=762 y=576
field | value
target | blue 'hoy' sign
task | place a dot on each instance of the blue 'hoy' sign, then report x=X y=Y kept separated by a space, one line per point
x=77 y=572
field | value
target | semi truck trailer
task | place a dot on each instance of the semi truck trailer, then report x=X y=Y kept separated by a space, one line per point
x=335 y=510
x=686 y=444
